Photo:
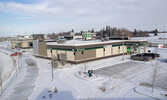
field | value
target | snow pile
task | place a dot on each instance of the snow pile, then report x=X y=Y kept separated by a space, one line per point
x=5 y=44
x=156 y=94
x=154 y=39
x=6 y=66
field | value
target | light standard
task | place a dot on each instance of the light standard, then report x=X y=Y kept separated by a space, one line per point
x=123 y=47
x=52 y=63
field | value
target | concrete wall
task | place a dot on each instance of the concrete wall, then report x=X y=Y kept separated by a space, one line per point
x=123 y=49
x=99 y=53
x=42 y=48
x=70 y=56
x=114 y=50
x=35 y=47
x=54 y=52
x=48 y=53
x=60 y=51
x=24 y=45
x=107 y=51
x=13 y=45
x=86 y=54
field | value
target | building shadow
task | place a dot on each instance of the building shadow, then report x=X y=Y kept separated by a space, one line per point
x=164 y=60
x=67 y=95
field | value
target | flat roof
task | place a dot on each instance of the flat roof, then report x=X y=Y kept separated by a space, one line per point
x=80 y=44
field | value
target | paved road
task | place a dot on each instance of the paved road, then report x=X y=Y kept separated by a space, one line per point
x=22 y=87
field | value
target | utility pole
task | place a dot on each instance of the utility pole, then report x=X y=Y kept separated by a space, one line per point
x=123 y=47
x=164 y=35
x=52 y=64
x=18 y=58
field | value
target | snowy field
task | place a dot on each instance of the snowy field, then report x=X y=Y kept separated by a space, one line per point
x=154 y=39
x=113 y=78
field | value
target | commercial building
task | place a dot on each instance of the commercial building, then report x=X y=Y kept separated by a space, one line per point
x=88 y=36
x=24 y=44
x=77 y=51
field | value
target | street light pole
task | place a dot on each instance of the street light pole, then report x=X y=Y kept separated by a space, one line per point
x=52 y=64
x=123 y=47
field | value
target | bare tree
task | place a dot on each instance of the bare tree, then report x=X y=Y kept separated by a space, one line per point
x=85 y=66
x=54 y=61
x=155 y=74
x=1 y=77
x=63 y=62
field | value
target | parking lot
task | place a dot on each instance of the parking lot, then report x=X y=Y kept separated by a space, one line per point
x=122 y=70
x=144 y=71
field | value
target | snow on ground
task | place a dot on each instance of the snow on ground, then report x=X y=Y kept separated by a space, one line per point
x=6 y=66
x=22 y=85
x=154 y=39
x=71 y=87
x=5 y=44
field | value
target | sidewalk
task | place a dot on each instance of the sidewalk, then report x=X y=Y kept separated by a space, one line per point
x=23 y=84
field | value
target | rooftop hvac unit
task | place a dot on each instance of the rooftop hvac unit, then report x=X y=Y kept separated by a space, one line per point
x=62 y=41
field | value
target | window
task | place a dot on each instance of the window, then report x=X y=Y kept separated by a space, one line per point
x=82 y=52
x=104 y=49
x=74 y=53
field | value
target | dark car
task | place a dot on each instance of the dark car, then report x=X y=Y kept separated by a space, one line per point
x=140 y=57
x=15 y=54
x=153 y=55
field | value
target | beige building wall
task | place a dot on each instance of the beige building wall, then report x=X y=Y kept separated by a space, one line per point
x=60 y=51
x=48 y=53
x=13 y=45
x=70 y=56
x=42 y=48
x=86 y=54
x=24 y=44
x=125 y=49
x=75 y=37
x=54 y=52
x=115 y=50
x=121 y=49
x=107 y=51
x=99 y=53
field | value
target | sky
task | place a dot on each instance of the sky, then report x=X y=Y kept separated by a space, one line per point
x=48 y=16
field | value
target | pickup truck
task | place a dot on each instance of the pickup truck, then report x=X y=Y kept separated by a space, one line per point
x=152 y=55
x=141 y=57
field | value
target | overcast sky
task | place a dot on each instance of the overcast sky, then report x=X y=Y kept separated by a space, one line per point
x=46 y=16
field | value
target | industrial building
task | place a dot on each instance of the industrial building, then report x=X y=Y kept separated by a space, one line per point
x=76 y=51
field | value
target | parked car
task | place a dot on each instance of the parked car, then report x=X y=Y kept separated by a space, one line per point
x=153 y=55
x=16 y=54
x=141 y=57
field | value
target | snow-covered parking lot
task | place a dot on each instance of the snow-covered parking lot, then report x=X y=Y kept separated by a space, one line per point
x=118 y=79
